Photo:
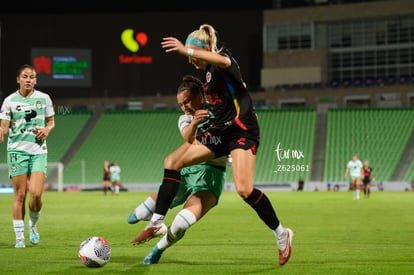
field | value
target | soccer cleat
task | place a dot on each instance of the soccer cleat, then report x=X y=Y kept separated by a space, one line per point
x=153 y=257
x=20 y=244
x=132 y=218
x=285 y=246
x=34 y=235
x=150 y=231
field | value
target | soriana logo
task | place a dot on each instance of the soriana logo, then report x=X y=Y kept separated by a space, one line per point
x=134 y=42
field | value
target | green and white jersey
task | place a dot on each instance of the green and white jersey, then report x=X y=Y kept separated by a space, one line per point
x=115 y=173
x=25 y=115
x=355 y=168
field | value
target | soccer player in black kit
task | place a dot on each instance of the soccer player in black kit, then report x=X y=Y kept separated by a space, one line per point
x=366 y=179
x=231 y=127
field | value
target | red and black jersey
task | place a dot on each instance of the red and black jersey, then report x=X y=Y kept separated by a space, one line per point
x=228 y=98
x=367 y=172
x=106 y=174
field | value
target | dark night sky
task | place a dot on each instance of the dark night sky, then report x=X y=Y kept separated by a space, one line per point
x=109 y=6
x=133 y=6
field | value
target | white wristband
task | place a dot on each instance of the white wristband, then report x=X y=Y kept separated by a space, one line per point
x=190 y=52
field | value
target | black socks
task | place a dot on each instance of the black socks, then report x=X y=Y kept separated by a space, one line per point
x=167 y=191
x=261 y=204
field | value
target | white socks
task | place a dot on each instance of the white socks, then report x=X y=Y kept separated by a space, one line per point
x=145 y=210
x=156 y=219
x=356 y=194
x=184 y=220
x=18 y=226
x=279 y=231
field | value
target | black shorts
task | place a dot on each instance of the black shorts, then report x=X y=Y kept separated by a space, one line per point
x=366 y=181
x=222 y=141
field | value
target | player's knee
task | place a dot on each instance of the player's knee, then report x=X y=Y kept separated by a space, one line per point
x=244 y=191
x=171 y=163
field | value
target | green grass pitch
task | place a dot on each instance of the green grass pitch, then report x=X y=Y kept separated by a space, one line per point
x=333 y=235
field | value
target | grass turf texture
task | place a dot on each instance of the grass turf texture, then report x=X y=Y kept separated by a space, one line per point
x=333 y=234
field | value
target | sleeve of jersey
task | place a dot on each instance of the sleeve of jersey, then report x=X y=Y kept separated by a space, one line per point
x=50 y=111
x=5 y=113
x=184 y=121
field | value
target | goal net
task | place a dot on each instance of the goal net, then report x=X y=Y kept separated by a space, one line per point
x=54 y=176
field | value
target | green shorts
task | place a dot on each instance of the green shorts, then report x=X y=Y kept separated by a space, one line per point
x=200 y=178
x=22 y=163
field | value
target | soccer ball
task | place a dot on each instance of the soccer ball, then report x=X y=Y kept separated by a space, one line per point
x=94 y=252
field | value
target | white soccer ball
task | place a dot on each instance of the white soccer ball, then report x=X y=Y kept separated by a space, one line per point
x=94 y=252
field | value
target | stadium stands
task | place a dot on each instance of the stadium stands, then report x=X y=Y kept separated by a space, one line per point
x=379 y=135
x=409 y=176
x=286 y=150
x=137 y=140
x=140 y=140
x=67 y=130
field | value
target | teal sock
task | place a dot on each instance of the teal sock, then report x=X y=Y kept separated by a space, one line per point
x=34 y=217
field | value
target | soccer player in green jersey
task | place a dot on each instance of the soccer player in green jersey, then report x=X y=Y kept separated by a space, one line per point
x=27 y=116
x=201 y=184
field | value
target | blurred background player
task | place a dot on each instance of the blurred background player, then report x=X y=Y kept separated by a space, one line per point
x=115 y=171
x=106 y=181
x=354 y=170
x=201 y=184
x=368 y=176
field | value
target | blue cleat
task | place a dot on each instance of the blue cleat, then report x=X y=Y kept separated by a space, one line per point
x=132 y=218
x=34 y=235
x=154 y=256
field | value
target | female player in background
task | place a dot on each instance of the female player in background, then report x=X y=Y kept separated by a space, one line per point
x=115 y=172
x=27 y=115
x=368 y=176
x=354 y=170
x=106 y=181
